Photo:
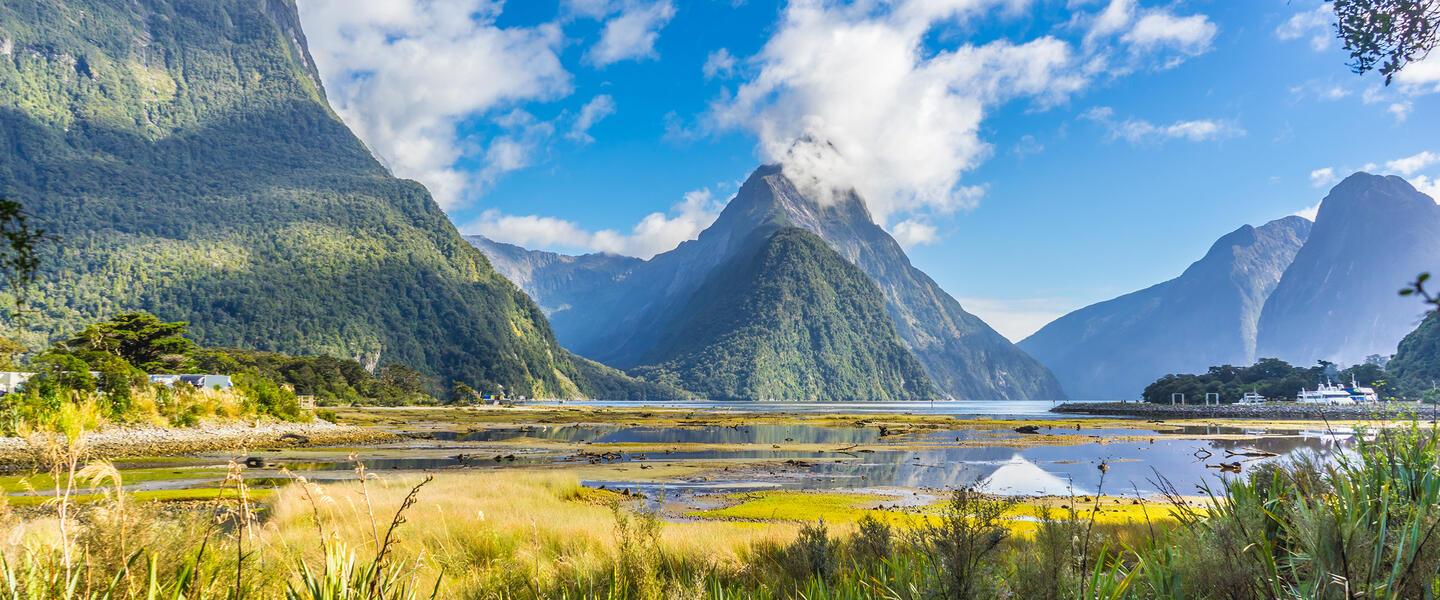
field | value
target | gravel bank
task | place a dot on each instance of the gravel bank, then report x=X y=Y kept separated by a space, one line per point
x=123 y=442
x=1268 y=411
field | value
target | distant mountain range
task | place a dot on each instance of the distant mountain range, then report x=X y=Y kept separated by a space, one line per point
x=1206 y=316
x=616 y=310
x=1288 y=290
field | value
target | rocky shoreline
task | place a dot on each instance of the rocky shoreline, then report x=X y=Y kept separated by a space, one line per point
x=130 y=442
x=1268 y=411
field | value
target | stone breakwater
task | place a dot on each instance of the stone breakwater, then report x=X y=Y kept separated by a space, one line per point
x=1279 y=411
x=128 y=442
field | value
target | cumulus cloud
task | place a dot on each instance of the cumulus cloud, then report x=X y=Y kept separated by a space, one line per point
x=1411 y=165
x=914 y=232
x=1401 y=110
x=596 y=109
x=845 y=96
x=1190 y=35
x=1314 y=24
x=404 y=73
x=1420 y=77
x=515 y=148
x=1308 y=213
x=1323 y=177
x=719 y=63
x=1430 y=186
x=631 y=33
x=655 y=233
x=1143 y=36
x=1140 y=131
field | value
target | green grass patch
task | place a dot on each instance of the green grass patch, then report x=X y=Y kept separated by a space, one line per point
x=185 y=495
x=839 y=508
x=45 y=481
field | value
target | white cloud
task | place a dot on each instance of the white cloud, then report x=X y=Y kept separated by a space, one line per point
x=1308 y=213
x=1016 y=319
x=596 y=109
x=1411 y=165
x=1140 y=131
x=1401 y=110
x=1319 y=90
x=1190 y=35
x=1323 y=177
x=845 y=96
x=1429 y=186
x=1420 y=77
x=404 y=73
x=1028 y=145
x=1112 y=20
x=591 y=9
x=1144 y=35
x=655 y=233
x=719 y=63
x=1313 y=23
x=631 y=34
x=914 y=232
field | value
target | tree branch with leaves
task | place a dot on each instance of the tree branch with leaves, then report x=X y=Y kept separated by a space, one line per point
x=1387 y=34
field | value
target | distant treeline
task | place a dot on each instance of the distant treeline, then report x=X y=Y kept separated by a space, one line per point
x=107 y=365
x=1272 y=378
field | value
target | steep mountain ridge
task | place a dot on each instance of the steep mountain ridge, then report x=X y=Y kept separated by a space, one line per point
x=788 y=319
x=1337 y=300
x=186 y=157
x=627 y=307
x=1207 y=316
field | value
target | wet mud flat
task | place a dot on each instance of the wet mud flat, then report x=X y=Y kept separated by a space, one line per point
x=732 y=465
x=1398 y=411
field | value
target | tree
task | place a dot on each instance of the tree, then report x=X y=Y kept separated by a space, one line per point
x=142 y=340
x=19 y=250
x=1387 y=34
x=461 y=392
x=9 y=350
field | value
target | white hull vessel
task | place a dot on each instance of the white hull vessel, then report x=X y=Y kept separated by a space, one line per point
x=1329 y=393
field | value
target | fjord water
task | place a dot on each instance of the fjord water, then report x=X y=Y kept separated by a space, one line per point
x=1064 y=457
x=995 y=409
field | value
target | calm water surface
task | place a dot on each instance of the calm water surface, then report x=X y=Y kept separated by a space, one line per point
x=1000 y=409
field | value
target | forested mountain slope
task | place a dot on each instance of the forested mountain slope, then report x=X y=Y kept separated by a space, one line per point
x=1415 y=367
x=787 y=319
x=185 y=155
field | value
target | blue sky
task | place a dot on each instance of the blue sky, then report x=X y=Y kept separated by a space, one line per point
x=1035 y=156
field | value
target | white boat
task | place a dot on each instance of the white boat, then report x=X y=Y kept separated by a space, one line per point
x=1329 y=393
x=1252 y=397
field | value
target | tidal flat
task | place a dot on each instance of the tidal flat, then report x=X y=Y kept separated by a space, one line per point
x=715 y=462
x=579 y=501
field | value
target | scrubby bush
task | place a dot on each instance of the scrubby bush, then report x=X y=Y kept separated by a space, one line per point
x=873 y=540
x=812 y=554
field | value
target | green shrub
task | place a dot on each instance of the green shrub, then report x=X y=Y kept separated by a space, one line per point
x=812 y=554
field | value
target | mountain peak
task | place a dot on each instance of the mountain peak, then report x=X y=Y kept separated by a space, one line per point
x=769 y=196
x=1362 y=192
